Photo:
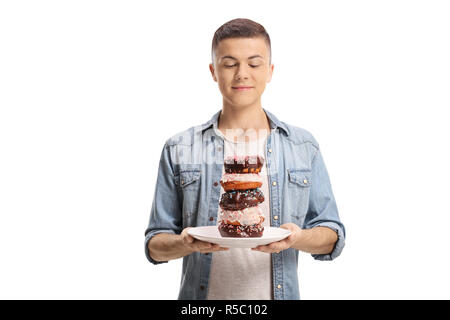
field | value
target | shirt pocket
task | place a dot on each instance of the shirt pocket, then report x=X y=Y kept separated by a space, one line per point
x=298 y=190
x=188 y=179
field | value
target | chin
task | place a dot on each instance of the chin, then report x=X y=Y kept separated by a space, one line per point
x=243 y=102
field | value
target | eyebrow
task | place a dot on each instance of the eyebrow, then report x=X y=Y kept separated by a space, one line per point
x=252 y=57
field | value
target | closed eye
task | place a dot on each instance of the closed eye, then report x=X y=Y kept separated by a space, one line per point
x=253 y=66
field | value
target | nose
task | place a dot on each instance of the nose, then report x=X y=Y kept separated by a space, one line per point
x=241 y=72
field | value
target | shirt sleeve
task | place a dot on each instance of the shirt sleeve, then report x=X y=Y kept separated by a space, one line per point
x=166 y=210
x=322 y=210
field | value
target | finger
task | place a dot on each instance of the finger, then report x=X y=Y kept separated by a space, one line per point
x=276 y=247
x=273 y=246
x=217 y=247
x=214 y=249
x=265 y=249
x=284 y=244
x=258 y=248
x=201 y=245
x=207 y=246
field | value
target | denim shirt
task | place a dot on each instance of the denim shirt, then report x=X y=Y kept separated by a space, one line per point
x=188 y=189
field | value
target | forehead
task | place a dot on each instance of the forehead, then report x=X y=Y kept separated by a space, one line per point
x=242 y=48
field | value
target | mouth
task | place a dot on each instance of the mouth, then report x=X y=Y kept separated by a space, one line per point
x=242 y=88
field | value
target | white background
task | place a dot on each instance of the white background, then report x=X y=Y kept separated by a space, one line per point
x=90 y=91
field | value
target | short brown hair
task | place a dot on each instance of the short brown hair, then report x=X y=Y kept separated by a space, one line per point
x=240 y=28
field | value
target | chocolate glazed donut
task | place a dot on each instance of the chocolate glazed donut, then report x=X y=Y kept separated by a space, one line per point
x=243 y=164
x=241 y=199
x=229 y=230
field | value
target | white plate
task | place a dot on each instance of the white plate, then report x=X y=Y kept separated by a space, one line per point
x=212 y=234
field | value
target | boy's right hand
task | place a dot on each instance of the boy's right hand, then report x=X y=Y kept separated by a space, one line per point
x=197 y=245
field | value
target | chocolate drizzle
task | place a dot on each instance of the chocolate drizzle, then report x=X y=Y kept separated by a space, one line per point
x=241 y=199
x=229 y=230
x=243 y=164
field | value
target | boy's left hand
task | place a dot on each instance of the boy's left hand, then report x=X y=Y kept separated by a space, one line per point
x=276 y=247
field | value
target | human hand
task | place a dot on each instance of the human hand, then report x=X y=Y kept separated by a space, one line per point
x=286 y=243
x=196 y=245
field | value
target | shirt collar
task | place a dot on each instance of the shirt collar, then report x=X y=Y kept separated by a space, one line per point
x=273 y=121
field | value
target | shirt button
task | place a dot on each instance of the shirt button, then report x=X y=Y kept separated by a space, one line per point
x=279 y=286
x=275 y=217
x=219 y=149
x=270 y=150
x=215 y=184
x=211 y=219
x=274 y=183
x=202 y=287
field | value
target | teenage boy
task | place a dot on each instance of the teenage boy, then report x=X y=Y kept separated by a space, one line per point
x=295 y=184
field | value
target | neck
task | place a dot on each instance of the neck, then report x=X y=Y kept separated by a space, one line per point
x=247 y=123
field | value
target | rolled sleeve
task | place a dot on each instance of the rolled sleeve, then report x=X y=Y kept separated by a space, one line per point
x=322 y=209
x=339 y=245
x=166 y=211
x=150 y=235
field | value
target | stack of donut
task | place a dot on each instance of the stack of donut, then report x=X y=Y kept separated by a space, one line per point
x=240 y=215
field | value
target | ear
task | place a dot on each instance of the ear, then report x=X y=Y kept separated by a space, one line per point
x=269 y=75
x=213 y=73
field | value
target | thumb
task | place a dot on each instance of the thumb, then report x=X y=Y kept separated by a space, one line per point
x=187 y=237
